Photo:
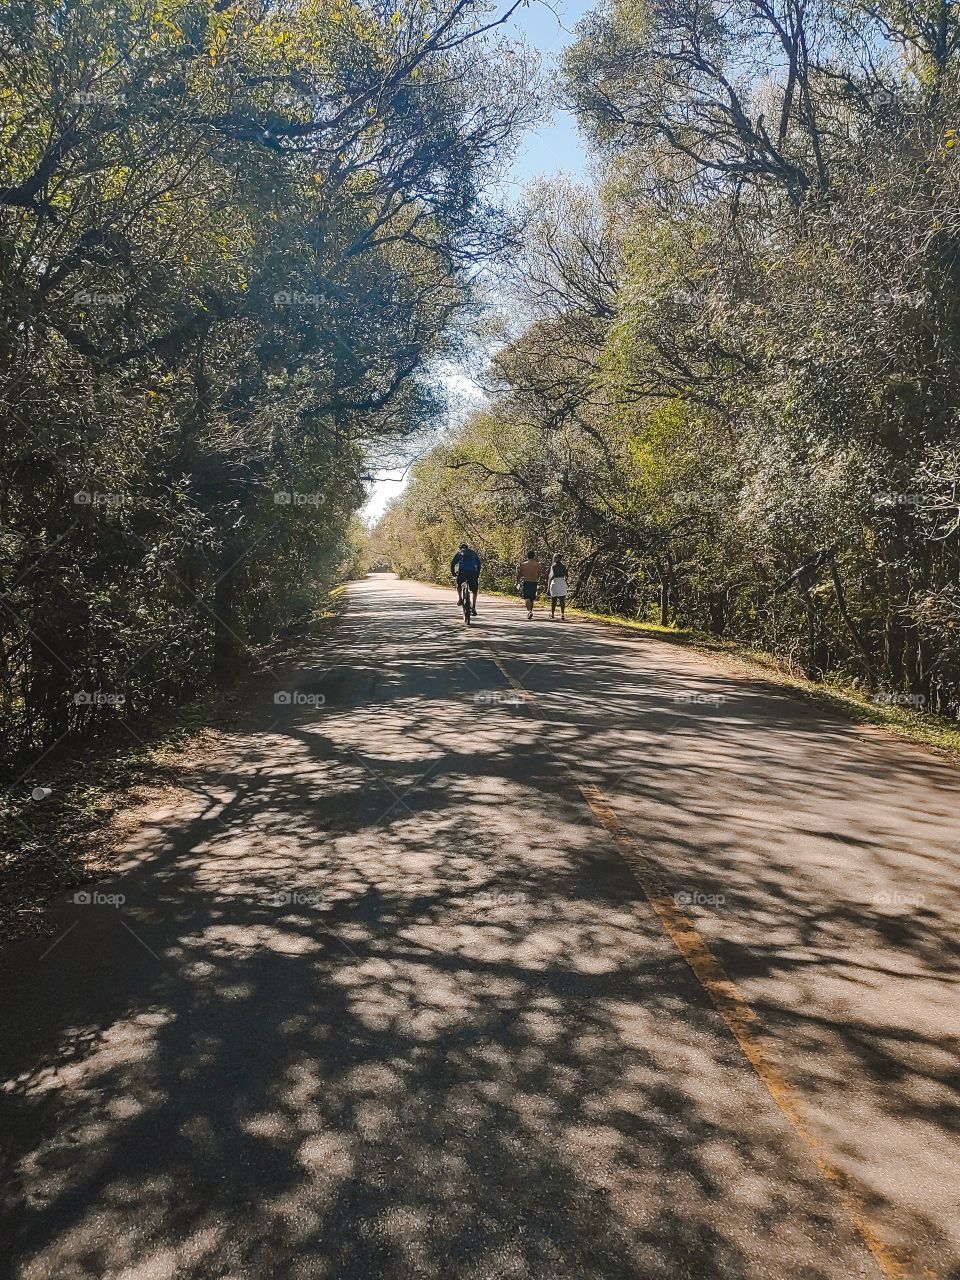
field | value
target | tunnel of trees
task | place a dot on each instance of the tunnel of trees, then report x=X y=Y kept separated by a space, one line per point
x=238 y=240
x=733 y=401
x=234 y=240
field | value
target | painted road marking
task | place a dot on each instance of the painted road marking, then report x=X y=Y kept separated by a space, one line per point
x=735 y=1010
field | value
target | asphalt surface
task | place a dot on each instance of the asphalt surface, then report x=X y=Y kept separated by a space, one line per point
x=398 y=987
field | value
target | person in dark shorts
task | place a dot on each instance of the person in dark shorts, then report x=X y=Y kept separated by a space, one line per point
x=528 y=579
x=465 y=567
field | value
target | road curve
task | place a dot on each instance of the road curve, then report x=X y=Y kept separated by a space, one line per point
x=523 y=950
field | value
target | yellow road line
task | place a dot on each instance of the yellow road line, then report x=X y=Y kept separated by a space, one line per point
x=736 y=1012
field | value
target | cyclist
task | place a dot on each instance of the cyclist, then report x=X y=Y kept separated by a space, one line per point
x=465 y=567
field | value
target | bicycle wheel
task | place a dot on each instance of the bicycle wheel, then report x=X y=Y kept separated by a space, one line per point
x=466 y=604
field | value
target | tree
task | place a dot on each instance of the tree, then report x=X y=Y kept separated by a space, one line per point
x=233 y=238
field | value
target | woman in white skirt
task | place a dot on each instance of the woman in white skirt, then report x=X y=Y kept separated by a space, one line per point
x=557 y=587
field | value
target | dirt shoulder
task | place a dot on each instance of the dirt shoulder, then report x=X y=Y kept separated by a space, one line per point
x=64 y=820
x=858 y=705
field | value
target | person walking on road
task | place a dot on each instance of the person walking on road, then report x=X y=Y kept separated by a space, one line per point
x=465 y=567
x=557 y=587
x=528 y=578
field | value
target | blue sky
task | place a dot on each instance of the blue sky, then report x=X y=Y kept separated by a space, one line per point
x=554 y=147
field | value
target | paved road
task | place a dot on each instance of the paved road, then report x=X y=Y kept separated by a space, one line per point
x=400 y=987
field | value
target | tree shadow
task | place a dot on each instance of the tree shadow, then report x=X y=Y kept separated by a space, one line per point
x=380 y=1001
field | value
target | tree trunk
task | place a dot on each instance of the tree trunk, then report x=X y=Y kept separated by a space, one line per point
x=893 y=647
x=717 y=605
x=228 y=647
x=858 y=640
x=813 y=669
x=664 y=595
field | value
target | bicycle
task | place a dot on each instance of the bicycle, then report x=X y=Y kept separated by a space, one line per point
x=464 y=589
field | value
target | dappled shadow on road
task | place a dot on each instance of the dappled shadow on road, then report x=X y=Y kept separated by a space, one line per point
x=380 y=1002
x=819 y=859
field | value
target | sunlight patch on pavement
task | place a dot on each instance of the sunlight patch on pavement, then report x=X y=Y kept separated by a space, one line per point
x=736 y=1013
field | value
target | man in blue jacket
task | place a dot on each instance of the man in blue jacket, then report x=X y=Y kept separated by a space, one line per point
x=465 y=567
